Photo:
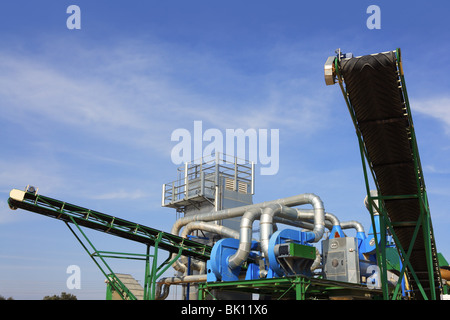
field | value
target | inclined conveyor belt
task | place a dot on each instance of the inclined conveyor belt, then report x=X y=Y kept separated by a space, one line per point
x=374 y=89
x=88 y=218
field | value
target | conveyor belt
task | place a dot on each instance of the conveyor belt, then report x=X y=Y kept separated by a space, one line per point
x=105 y=223
x=377 y=100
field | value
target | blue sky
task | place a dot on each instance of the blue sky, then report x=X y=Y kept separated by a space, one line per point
x=87 y=115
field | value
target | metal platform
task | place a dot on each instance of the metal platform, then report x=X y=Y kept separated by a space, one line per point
x=292 y=288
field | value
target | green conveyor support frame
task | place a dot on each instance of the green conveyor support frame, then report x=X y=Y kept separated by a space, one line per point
x=426 y=279
x=83 y=217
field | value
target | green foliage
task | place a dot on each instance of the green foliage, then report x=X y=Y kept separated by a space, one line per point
x=63 y=296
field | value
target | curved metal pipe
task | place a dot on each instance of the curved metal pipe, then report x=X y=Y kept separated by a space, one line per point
x=331 y=218
x=376 y=203
x=308 y=214
x=318 y=215
x=317 y=261
x=245 y=238
x=236 y=212
x=353 y=225
x=164 y=284
x=270 y=209
x=208 y=227
x=180 y=265
x=266 y=227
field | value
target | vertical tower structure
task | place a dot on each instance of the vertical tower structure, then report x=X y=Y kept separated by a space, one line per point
x=209 y=185
x=212 y=184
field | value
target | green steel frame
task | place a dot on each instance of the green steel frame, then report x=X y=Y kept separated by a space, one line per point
x=294 y=287
x=152 y=270
x=82 y=217
x=424 y=220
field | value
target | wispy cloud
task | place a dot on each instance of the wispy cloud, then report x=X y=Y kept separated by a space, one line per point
x=142 y=88
x=435 y=107
x=67 y=103
x=121 y=194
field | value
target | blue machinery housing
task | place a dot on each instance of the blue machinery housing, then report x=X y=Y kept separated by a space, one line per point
x=301 y=262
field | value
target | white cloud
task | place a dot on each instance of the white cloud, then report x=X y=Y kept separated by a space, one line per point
x=143 y=88
x=131 y=96
x=437 y=108
x=122 y=194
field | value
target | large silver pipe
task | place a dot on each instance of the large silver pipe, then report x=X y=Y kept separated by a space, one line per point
x=352 y=225
x=164 y=284
x=245 y=238
x=375 y=203
x=266 y=226
x=317 y=261
x=307 y=217
x=331 y=218
x=280 y=206
x=318 y=216
x=236 y=212
x=180 y=265
x=209 y=227
x=308 y=225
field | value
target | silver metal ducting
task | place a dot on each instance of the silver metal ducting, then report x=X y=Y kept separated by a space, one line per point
x=269 y=213
x=352 y=225
x=245 y=239
x=375 y=203
x=162 y=288
x=214 y=228
x=181 y=264
x=318 y=216
x=237 y=212
x=281 y=207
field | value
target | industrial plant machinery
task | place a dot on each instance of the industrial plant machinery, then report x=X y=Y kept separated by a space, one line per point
x=224 y=246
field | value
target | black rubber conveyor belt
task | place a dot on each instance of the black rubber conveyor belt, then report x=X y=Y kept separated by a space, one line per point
x=375 y=94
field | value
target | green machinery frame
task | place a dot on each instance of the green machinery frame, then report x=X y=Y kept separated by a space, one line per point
x=293 y=288
x=83 y=217
x=424 y=220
